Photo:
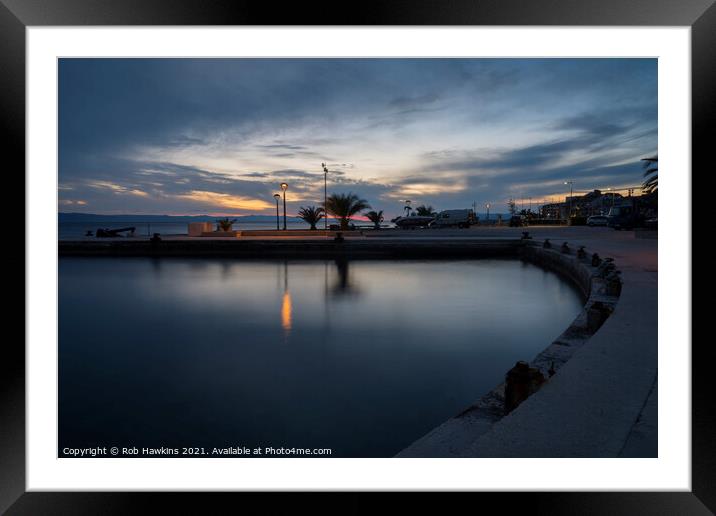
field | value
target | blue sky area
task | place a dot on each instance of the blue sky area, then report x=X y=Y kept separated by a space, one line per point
x=217 y=136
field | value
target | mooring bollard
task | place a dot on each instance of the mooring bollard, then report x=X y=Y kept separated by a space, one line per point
x=565 y=248
x=596 y=315
x=613 y=283
x=606 y=267
x=596 y=260
x=526 y=235
x=547 y=244
x=520 y=382
x=581 y=253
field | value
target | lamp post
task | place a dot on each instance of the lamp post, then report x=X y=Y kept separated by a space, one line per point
x=488 y=210
x=571 y=184
x=284 y=187
x=325 y=196
x=277 y=197
x=612 y=193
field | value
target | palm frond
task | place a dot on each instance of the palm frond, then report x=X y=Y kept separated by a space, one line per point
x=651 y=169
x=425 y=211
x=376 y=217
x=344 y=206
x=311 y=214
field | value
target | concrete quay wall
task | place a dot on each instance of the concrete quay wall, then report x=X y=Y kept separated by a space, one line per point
x=298 y=249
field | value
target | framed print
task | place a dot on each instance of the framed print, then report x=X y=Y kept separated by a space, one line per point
x=416 y=249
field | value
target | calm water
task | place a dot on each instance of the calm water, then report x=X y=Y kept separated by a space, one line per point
x=361 y=357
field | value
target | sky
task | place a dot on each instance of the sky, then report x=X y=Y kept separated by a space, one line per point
x=218 y=136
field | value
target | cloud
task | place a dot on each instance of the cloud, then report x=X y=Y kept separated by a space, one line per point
x=282 y=146
x=116 y=189
x=210 y=200
x=180 y=135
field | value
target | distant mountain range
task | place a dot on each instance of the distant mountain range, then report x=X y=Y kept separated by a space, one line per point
x=92 y=217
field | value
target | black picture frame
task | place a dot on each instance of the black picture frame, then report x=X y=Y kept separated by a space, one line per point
x=16 y=15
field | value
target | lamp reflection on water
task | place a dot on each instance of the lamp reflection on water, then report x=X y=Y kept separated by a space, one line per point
x=286 y=311
x=286 y=305
x=342 y=287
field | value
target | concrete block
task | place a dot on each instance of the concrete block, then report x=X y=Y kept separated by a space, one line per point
x=197 y=228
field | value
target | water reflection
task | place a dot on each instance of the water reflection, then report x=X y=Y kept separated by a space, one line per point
x=361 y=359
x=344 y=285
x=226 y=268
x=341 y=285
x=286 y=311
x=156 y=266
x=286 y=305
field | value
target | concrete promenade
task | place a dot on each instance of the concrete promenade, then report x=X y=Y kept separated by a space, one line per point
x=601 y=403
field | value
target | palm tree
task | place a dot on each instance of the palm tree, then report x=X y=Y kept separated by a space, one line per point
x=225 y=224
x=376 y=217
x=651 y=169
x=425 y=211
x=344 y=206
x=311 y=214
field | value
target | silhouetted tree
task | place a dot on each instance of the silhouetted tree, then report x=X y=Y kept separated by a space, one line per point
x=311 y=215
x=225 y=224
x=425 y=211
x=344 y=206
x=376 y=217
x=512 y=207
x=651 y=169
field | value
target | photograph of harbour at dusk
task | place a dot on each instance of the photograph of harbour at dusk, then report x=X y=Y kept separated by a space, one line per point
x=343 y=257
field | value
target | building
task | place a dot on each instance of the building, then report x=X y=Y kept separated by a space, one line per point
x=602 y=204
x=592 y=203
x=555 y=210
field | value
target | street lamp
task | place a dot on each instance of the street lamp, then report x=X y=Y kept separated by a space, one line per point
x=277 y=197
x=488 y=210
x=325 y=196
x=571 y=184
x=284 y=187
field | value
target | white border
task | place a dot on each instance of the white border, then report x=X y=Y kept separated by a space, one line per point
x=672 y=469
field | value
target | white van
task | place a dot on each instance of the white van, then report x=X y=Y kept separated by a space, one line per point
x=459 y=218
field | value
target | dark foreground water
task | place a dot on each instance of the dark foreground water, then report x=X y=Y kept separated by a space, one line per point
x=361 y=357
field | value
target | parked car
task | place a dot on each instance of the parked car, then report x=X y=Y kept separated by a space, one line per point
x=412 y=222
x=459 y=218
x=597 y=220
